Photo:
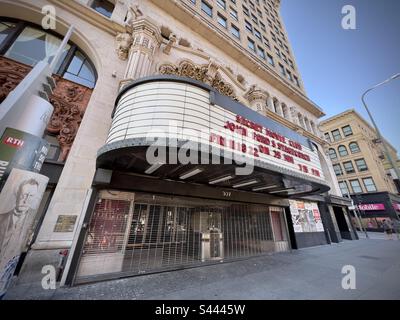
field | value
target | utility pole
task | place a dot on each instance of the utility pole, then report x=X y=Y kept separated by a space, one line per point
x=380 y=138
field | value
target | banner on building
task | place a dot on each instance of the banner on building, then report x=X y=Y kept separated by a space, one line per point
x=306 y=216
x=21 y=150
x=19 y=203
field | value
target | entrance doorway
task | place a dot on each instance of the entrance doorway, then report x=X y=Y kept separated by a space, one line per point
x=139 y=233
x=342 y=223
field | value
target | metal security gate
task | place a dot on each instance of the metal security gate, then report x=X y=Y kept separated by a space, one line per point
x=136 y=233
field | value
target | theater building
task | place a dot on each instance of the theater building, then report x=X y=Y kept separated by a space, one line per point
x=182 y=136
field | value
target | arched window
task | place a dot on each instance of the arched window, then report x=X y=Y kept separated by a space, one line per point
x=343 y=151
x=29 y=44
x=285 y=111
x=276 y=105
x=354 y=147
x=332 y=154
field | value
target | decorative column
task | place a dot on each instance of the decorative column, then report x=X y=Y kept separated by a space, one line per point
x=146 y=40
x=257 y=99
x=270 y=103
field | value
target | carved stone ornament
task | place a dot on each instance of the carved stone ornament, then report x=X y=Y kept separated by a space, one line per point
x=70 y=101
x=11 y=74
x=124 y=43
x=170 y=44
x=203 y=73
x=255 y=93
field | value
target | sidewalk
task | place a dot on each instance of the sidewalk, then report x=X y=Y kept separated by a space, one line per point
x=312 y=273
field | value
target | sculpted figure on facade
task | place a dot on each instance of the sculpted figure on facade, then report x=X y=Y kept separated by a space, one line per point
x=124 y=43
x=170 y=44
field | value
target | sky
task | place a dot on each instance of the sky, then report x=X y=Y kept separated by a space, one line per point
x=337 y=65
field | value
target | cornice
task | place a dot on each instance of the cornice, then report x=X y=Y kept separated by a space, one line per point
x=91 y=16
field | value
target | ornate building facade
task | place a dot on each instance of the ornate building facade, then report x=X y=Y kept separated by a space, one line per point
x=131 y=69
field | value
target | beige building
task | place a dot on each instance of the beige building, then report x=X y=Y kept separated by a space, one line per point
x=358 y=157
x=130 y=69
x=361 y=167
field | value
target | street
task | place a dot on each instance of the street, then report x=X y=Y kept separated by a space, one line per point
x=312 y=273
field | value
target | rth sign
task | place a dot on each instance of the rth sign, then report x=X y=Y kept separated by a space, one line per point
x=13 y=142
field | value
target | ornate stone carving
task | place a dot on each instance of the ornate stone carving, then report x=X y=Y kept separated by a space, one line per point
x=257 y=98
x=133 y=14
x=70 y=101
x=11 y=74
x=124 y=43
x=205 y=73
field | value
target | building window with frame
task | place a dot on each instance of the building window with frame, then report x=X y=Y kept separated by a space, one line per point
x=270 y=60
x=355 y=185
x=347 y=131
x=336 y=135
x=343 y=151
x=104 y=7
x=234 y=14
x=348 y=167
x=332 y=154
x=221 y=4
x=206 y=8
x=257 y=34
x=222 y=20
x=354 y=147
x=361 y=165
x=251 y=45
x=248 y=26
x=282 y=70
x=343 y=187
x=338 y=169
x=261 y=53
x=369 y=184
x=327 y=137
x=235 y=31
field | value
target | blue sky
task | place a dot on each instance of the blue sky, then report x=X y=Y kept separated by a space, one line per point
x=338 y=65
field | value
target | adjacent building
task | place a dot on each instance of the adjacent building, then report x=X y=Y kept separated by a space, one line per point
x=362 y=168
x=182 y=136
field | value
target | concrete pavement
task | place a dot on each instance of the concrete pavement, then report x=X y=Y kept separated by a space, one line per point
x=312 y=273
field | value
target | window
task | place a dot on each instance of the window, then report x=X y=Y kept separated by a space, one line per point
x=206 y=8
x=336 y=135
x=332 y=154
x=361 y=165
x=328 y=137
x=261 y=53
x=254 y=18
x=278 y=53
x=354 y=148
x=273 y=36
x=338 y=169
x=251 y=44
x=29 y=44
x=343 y=151
x=262 y=26
x=235 y=31
x=248 y=25
x=80 y=70
x=369 y=185
x=5 y=29
x=289 y=75
x=297 y=81
x=343 y=187
x=355 y=185
x=266 y=42
x=234 y=14
x=282 y=70
x=270 y=60
x=221 y=4
x=103 y=7
x=257 y=34
x=222 y=20
x=348 y=166
x=246 y=11
x=347 y=131
x=34 y=45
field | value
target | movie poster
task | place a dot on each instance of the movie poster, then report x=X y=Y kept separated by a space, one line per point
x=305 y=216
x=19 y=202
